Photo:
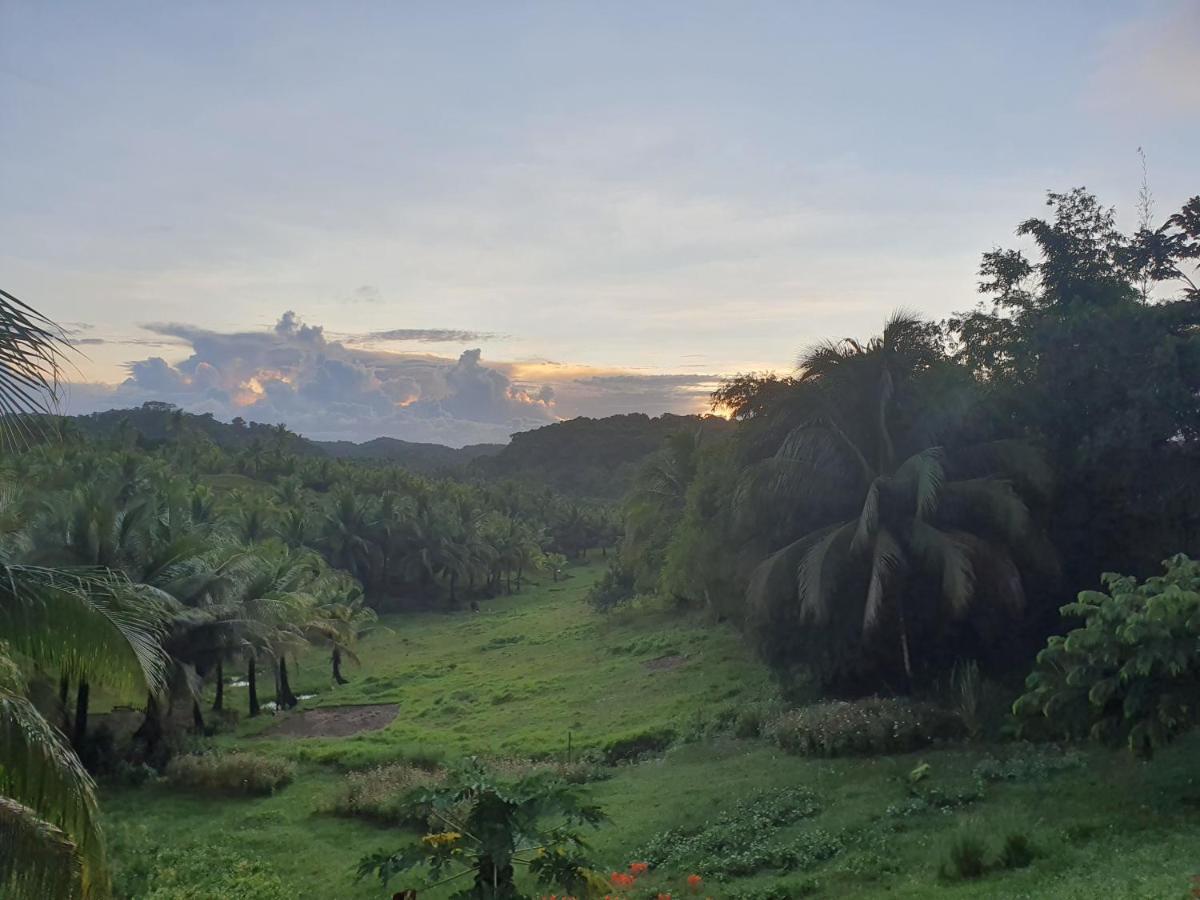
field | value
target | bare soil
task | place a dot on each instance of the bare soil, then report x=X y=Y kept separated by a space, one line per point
x=335 y=721
x=664 y=663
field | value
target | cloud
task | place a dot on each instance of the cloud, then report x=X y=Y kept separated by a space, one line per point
x=325 y=389
x=425 y=335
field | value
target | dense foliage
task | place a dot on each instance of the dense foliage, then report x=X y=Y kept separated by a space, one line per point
x=1132 y=670
x=906 y=502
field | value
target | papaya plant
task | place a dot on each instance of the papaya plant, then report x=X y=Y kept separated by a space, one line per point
x=488 y=826
x=1131 y=671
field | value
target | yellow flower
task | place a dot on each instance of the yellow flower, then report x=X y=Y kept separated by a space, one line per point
x=443 y=839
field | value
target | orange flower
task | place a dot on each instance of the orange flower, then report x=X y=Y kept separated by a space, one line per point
x=638 y=868
x=694 y=882
x=621 y=880
x=664 y=897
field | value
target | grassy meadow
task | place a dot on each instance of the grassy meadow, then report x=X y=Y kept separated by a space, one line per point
x=519 y=677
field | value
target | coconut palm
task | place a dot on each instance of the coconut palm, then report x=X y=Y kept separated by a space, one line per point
x=82 y=625
x=880 y=523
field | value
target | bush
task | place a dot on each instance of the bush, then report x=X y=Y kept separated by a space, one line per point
x=1018 y=852
x=1131 y=672
x=967 y=859
x=614 y=589
x=383 y=794
x=234 y=773
x=871 y=726
x=632 y=747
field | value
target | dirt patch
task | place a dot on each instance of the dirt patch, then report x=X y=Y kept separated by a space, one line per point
x=335 y=721
x=664 y=663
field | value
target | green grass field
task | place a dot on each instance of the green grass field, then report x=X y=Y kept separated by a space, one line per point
x=531 y=672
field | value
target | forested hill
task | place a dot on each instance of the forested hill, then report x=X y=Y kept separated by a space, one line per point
x=590 y=457
x=421 y=457
x=583 y=457
x=153 y=423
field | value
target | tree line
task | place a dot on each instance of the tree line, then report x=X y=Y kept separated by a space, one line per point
x=937 y=491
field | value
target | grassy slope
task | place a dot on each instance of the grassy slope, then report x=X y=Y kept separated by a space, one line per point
x=516 y=678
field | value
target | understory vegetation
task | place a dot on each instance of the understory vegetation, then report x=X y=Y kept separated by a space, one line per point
x=864 y=637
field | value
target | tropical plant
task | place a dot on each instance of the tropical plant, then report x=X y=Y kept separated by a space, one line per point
x=493 y=825
x=1131 y=671
x=82 y=626
x=894 y=531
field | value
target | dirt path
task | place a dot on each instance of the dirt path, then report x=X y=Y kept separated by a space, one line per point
x=335 y=721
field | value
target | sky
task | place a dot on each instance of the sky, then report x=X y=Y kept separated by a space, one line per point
x=448 y=222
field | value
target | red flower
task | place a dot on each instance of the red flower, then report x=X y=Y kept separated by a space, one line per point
x=694 y=882
x=621 y=880
x=638 y=868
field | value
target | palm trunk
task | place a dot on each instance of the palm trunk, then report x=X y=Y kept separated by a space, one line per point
x=252 y=684
x=453 y=580
x=79 y=734
x=284 y=698
x=219 y=699
x=508 y=580
x=64 y=695
x=337 y=665
x=197 y=717
x=904 y=643
x=520 y=569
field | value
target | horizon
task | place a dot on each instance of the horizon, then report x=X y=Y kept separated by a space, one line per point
x=466 y=223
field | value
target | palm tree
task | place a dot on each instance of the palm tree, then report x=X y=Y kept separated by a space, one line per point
x=878 y=522
x=82 y=625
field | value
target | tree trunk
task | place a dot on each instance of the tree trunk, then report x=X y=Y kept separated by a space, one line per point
x=64 y=695
x=252 y=684
x=150 y=732
x=219 y=699
x=904 y=643
x=453 y=580
x=197 y=717
x=284 y=698
x=79 y=734
x=520 y=569
x=337 y=665
x=508 y=580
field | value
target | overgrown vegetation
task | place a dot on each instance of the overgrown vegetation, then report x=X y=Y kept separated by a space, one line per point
x=233 y=773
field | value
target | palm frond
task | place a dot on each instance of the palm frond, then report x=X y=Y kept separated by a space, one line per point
x=923 y=474
x=39 y=770
x=31 y=361
x=39 y=859
x=993 y=502
x=886 y=558
x=85 y=623
x=818 y=571
x=945 y=555
x=868 y=520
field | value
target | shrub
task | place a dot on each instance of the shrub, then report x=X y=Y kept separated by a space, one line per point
x=967 y=858
x=874 y=725
x=383 y=794
x=631 y=747
x=1131 y=672
x=614 y=589
x=1018 y=852
x=234 y=773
